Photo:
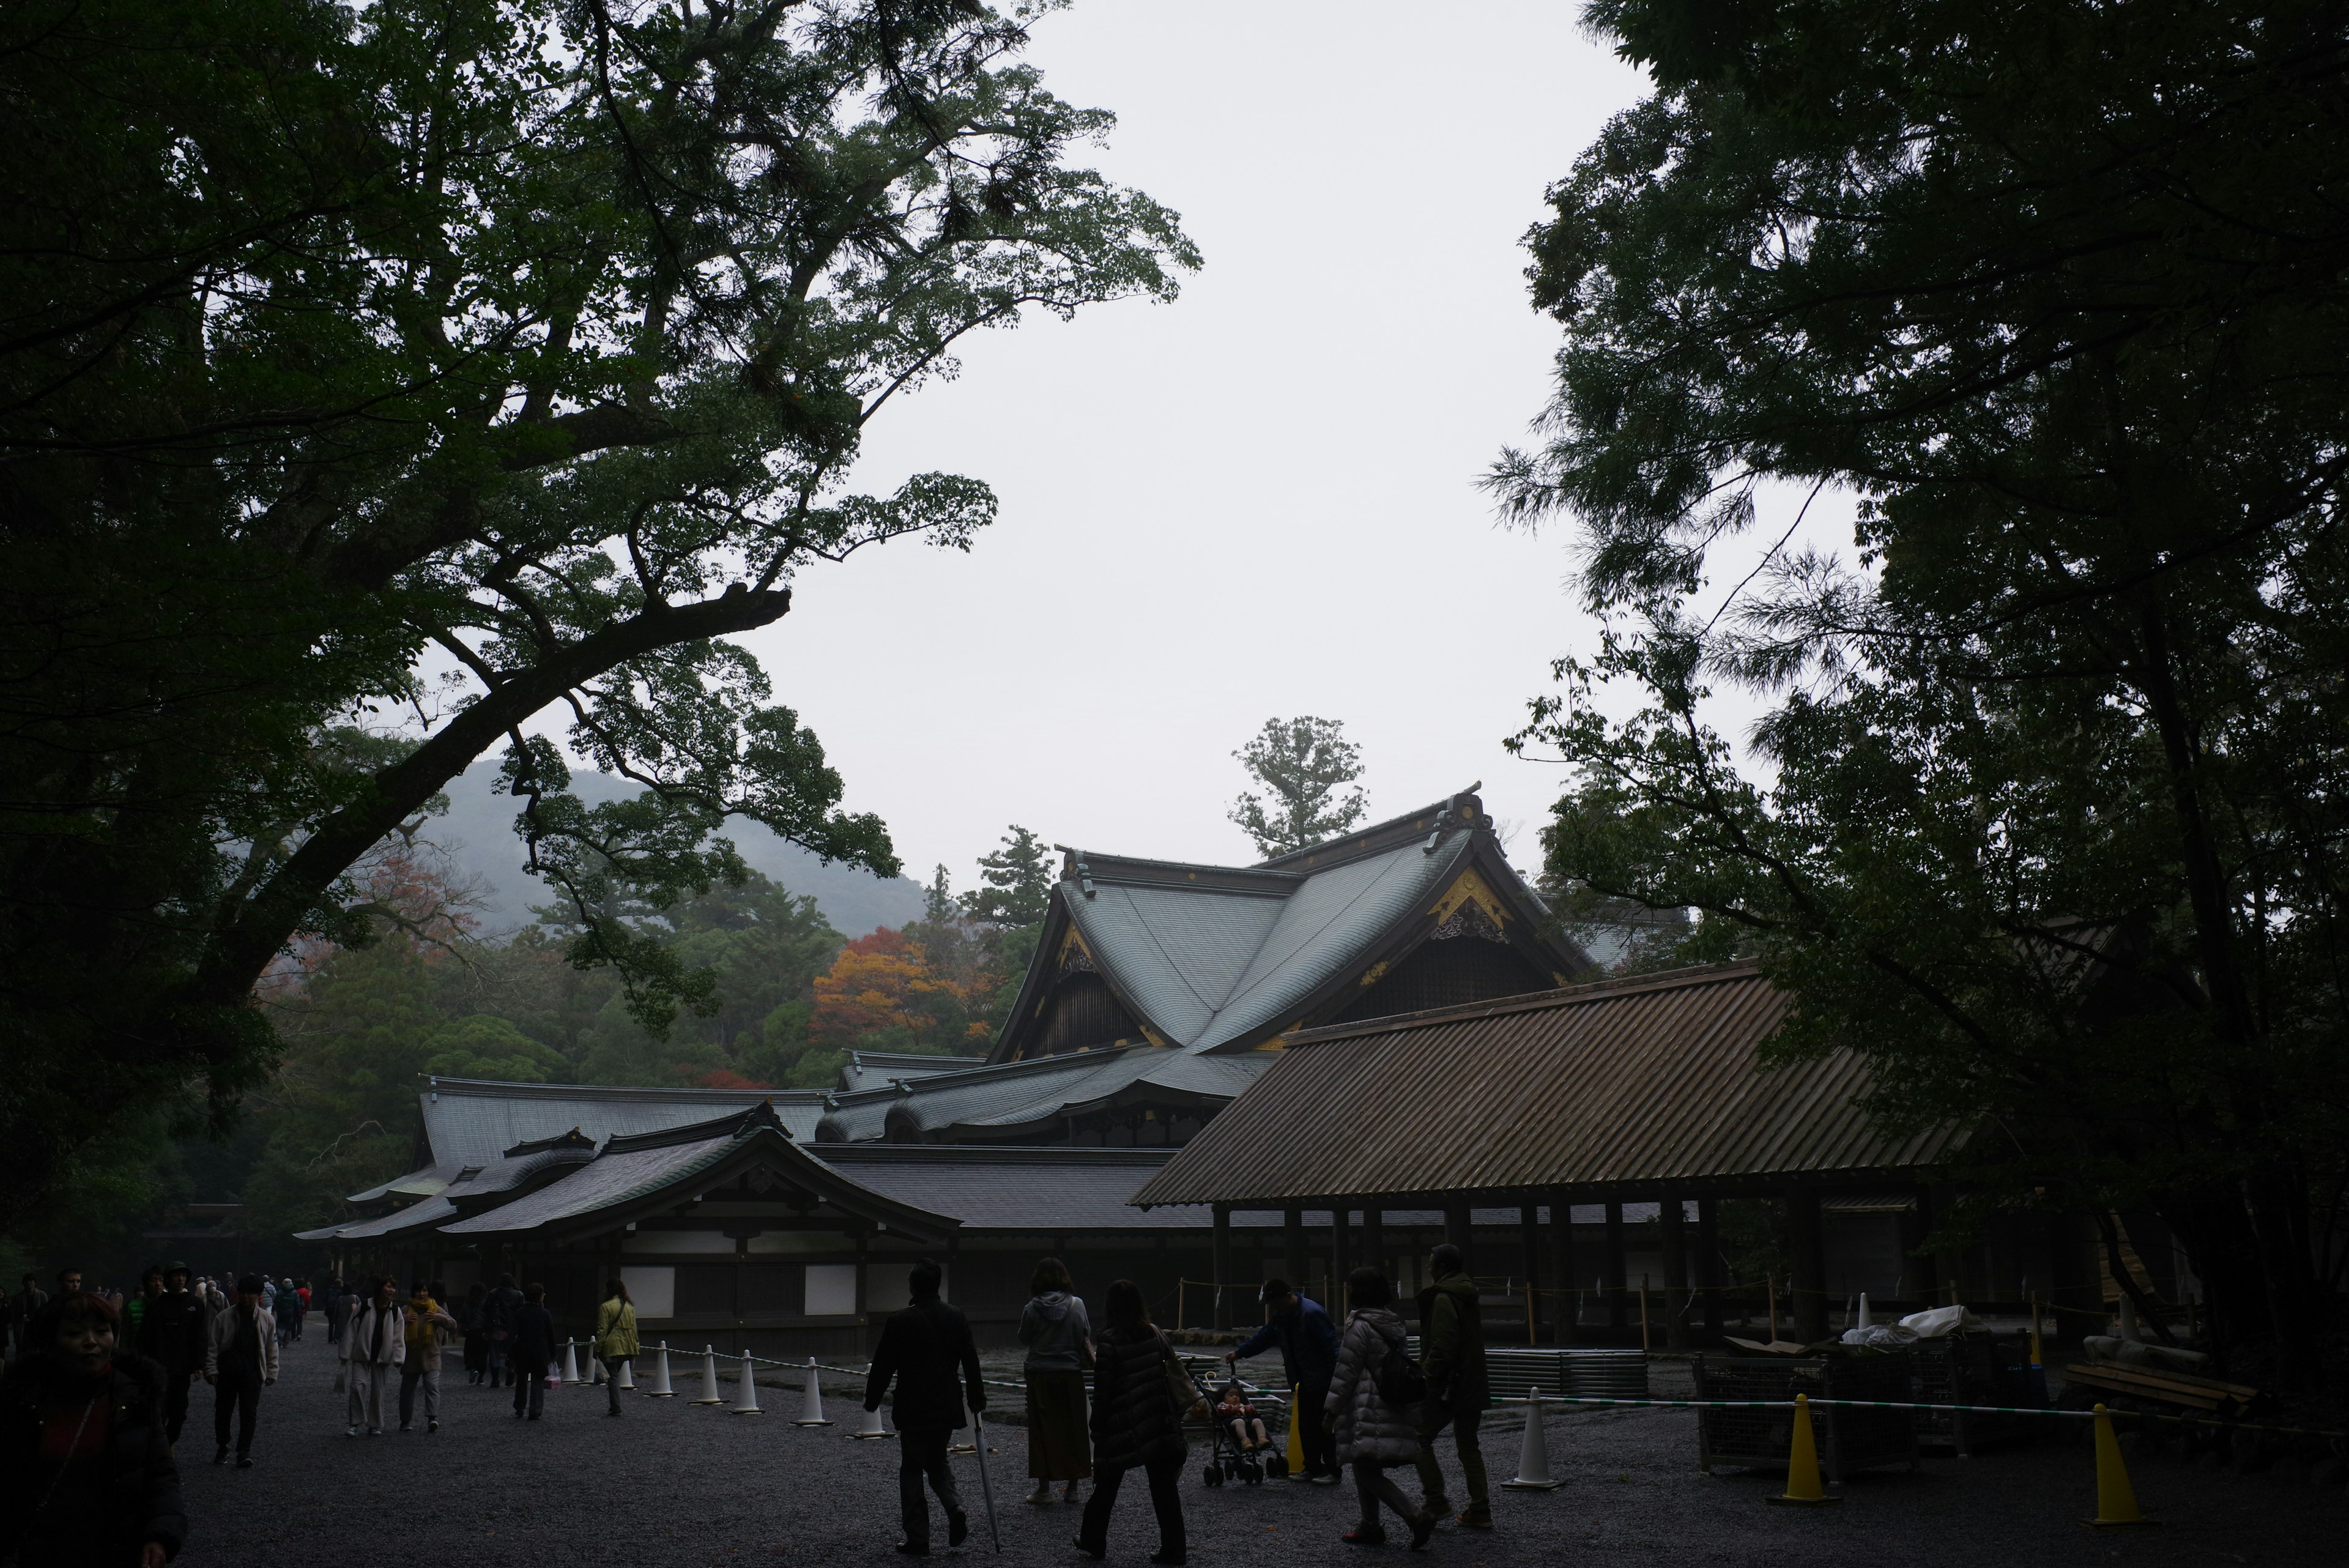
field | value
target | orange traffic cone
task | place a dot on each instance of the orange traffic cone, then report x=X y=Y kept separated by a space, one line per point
x=2116 y=1498
x=1803 y=1486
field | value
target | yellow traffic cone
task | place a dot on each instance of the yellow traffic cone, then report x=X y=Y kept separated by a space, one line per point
x=1803 y=1462
x=2116 y=1498
x=1296 y=1441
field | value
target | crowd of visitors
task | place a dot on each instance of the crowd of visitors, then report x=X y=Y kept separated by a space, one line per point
x=96 y=1393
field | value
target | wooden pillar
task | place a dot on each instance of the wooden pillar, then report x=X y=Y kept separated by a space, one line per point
x=1810 y=1303
x=1457 y=1231
x=1674 y=1211
x=1292 y=1245
x=1341 y=1247
x=1619 y=1305
x=1530 y=1269
x=1223 y=1236
x=1374 y=1248
x=2072 y=1279
x=1710 y=1274
x=1561 y=1263
x=1921 y=1279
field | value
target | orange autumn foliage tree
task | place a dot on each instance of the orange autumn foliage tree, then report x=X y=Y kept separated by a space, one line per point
x=882 y=993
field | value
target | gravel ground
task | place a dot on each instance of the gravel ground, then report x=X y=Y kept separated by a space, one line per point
x=671 y=1483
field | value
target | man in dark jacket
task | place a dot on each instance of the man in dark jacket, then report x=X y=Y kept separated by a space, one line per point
x=1308 y=1354
x=532 y=1351
x=498 y=1309
x=922 y=1347
x=1452 y=1355
x=173 y=1333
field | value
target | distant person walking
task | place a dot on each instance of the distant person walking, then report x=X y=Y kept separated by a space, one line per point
x=86 y=1473
x=1059 y=1341
x=331 y=1300
x=498 y=1310
x=531 y=1351
x=615 y=1337
x=1308 y=1354
x=924 y=1347
x=374 y=1345
x=467 y=1314
x=176 y=1330
x=424 y=1324
x=1375 y=1429
x=22 y=1307
x=240 y=1361
x=1452 y=1355
x=1137 y=1421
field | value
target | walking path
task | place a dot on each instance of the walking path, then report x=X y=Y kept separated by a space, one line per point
x=672 y=1484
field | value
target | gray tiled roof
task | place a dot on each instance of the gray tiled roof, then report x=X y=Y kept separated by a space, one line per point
x=472 y=1122
x=875 y=1069
x=611 y=1179
x=1177 y=953
x=1018 y=1189
x=1020 y=1094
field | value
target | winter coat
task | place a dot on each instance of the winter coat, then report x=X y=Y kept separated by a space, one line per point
x=615 y=1330
x=1364 y=1425
x=533 y=1346
x=1055 y=1328
x=377 y=1336
x=134 y=1499
x=1135 y=1419
x=498 y=1309
x=922 y=1347
x=424 y=1330
x=1451 y=1345
x=1308 y=1341
x=174 y=1331
x=222 y=1333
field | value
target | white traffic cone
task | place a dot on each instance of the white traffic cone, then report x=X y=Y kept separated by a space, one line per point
x=1863 y=1322
x=660 y=1388
x=749 y=1404
x=1533 y=1459
x=869 y=1428
x=570 y=1361
x=709 y=1394
x=812 y=1408
x=627 y=1377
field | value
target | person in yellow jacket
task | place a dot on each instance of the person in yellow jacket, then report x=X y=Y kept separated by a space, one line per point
x=615 y=1337
x=425 y=1325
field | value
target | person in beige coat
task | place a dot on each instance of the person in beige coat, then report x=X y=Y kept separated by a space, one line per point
x=240 y=1361
x=373 y=1343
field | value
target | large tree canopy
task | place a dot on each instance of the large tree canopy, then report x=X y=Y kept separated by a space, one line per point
x=2046 y=813
x=372 y=380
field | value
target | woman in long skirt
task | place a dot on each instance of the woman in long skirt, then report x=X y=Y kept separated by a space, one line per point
x=1059 y=1341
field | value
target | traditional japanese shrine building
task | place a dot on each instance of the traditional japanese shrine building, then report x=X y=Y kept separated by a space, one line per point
x=783 y=1221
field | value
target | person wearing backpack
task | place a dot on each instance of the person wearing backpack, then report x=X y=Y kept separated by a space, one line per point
x=1375 y=1395
x=1137 y=1423
x=615 y=1337
x=500 y=1309
x=1452 y=1355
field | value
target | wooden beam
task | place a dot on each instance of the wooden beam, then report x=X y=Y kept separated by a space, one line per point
x=1674 y=1211
x=1561 y=1263
x=1618 y=1305
x=1810 y=1303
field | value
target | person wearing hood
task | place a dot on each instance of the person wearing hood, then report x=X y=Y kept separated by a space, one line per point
x=86 y=1472
x=1452 y=1355
x=1059 y=1341
x=1374 y=1430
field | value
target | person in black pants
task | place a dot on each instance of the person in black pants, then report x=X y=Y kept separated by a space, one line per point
x=1136 y=1421
x=922 y=1347
x=532 y=1351
x=174 y=1332
x=240 y=1360
x=1307 y=1342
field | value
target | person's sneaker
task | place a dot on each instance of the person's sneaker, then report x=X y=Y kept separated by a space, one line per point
x=431 y=1425
x=351 y=1431
x=1095 y=1552
x=408 y=1426
x=912 y=1548
x=1042 y=1496
x=244 y=1461
x=1326 y=1478
x=1436 y=1507
x=1071 y=1495
x=1421 y=1529
x=220 y=1458
x=375 y=1431
x=1364 y=1536
x=957 y=1528
x=1473 y=1520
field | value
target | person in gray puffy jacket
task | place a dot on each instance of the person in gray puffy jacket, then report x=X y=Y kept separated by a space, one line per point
x=1059 y=1341
x=1373 y=1434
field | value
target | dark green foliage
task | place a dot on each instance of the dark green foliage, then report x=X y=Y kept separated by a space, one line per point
x=532 y=339
x=1301 y=763
x=1016 y=881
x=2047 y=817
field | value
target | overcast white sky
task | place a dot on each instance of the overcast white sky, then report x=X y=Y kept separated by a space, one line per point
x=1259 y=501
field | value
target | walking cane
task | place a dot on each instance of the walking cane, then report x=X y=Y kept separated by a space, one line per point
x=986 y=1489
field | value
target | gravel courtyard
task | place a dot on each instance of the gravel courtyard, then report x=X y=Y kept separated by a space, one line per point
x=671 y=1483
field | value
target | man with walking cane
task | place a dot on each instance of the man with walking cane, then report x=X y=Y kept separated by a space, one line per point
x=922 y=1347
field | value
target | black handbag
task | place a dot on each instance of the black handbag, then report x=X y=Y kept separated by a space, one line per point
x=1399 y=1379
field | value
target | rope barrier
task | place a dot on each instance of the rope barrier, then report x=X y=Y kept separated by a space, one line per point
x=1921 y=1405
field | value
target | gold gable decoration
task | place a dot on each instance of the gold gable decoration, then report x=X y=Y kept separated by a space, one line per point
x=1467 y=888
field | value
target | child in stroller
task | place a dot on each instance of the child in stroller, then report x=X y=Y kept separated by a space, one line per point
x=1244 y=1449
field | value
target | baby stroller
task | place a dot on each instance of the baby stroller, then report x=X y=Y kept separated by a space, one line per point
x=1230 y=1462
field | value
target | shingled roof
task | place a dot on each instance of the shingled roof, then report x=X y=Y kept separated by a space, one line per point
x=1623 y=1084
